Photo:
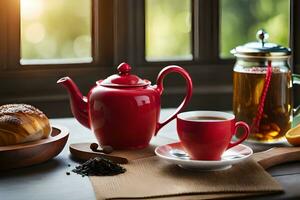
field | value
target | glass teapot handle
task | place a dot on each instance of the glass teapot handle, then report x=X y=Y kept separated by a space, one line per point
x=296 y=81
x=189 y=87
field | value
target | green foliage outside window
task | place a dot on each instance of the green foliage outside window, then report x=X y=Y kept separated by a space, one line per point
x=240 y=20
x=55 y=29
x=62 y=28
x=168 y=29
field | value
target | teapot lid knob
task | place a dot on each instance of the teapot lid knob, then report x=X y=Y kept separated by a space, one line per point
x=262 y=36
x=124 y=68
x=124 y=79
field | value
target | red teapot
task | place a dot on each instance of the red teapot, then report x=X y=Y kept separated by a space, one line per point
x=123 y=110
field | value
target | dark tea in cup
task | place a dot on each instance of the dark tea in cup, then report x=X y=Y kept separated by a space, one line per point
x=206 y=118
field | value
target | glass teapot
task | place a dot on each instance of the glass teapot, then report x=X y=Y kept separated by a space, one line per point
x=262 y=89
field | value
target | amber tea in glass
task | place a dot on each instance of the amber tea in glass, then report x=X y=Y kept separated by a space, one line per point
x=262 y=88
x=248 y=84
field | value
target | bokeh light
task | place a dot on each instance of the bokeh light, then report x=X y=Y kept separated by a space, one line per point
x=31 y=9
x=168 y=30
x=81 y=45
x=59 y=29
x=35 y=33
x=56 y=29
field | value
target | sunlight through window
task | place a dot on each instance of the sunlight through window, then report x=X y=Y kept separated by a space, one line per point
x=55 y=31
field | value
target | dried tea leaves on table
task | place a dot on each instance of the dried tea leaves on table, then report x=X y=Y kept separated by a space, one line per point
x=99 y=167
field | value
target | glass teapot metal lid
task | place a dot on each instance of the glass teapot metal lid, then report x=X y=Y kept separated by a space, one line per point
x=124 y=78
x=261 y=49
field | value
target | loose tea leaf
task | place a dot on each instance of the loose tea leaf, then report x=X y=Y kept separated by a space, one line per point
x=99 y=167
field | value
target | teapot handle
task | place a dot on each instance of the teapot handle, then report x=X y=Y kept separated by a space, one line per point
x=296 y=81
x=189 y=87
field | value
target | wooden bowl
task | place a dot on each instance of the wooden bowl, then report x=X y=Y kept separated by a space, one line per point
x=31 y=153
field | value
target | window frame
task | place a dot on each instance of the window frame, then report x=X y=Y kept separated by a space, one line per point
x=119 y=35
x=19 y=81
x=295 y=44
x=211 y=93
x=212 y=75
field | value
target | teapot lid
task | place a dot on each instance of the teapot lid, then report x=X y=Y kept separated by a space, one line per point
x=261 y=49
x=124 y=78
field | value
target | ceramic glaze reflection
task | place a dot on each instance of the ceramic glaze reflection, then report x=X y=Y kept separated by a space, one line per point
x=142 y=100
x=98 y=106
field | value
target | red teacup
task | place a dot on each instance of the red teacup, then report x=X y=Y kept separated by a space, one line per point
x=205 y=135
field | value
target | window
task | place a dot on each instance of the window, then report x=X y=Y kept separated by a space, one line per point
x=211 y=64
x=168 y=30
x=87 y=39
x=45 y=37
x=240 y=19
x=29 y=69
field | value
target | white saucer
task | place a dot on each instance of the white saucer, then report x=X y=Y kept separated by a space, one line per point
x=175 y=154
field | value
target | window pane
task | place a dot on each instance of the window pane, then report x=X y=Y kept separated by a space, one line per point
x=55 y=31
x=240 y=20
x=168 y=30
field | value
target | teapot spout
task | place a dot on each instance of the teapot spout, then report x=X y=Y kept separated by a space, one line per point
x=77 y=101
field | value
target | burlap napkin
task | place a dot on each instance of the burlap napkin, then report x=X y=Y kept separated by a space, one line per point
x=154 y=178
x=142 y=153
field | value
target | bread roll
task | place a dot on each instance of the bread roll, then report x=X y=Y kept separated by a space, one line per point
x=20 y=123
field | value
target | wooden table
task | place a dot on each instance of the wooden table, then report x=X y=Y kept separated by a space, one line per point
x=49 y=180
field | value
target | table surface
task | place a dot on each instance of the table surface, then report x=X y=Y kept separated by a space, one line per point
x=49 y=180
